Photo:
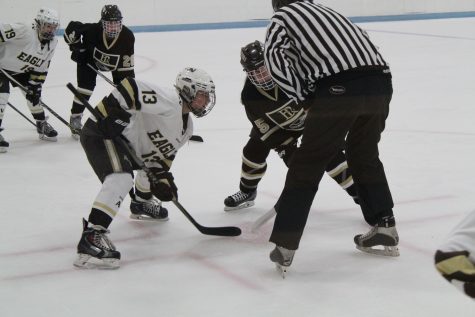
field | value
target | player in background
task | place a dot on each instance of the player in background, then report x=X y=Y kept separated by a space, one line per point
x=156 y=123
x=25 y=54
x=455 y=257
x=277 y=123
x=108 y=46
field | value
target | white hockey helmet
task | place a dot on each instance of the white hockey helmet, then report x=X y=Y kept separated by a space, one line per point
x=47 y=23
x=193 y=81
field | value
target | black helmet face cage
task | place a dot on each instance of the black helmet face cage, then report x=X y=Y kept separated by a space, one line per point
x=261 y=78
x=112 y=28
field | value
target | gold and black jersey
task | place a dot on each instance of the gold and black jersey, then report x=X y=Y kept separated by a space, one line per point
x=273 y=115
x=115 y=54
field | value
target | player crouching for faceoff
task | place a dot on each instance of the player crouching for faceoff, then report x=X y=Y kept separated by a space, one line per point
x=156 y=123
x=277 y=123
x=455 y=258
x=25 y=54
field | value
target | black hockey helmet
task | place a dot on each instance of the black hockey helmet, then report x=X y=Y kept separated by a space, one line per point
x=111 y=12
x=111 y=19
x=277 y=4
x=252 y=56
x=252 y=60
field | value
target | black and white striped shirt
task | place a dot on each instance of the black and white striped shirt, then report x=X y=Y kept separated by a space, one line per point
x=307 y=41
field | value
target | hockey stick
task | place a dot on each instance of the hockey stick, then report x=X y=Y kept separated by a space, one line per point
x=263 y=219
x=195 y=138
x=21 y=113
x=216 y=231
x=41 y=101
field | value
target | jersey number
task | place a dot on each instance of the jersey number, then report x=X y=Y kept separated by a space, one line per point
x=149 y=96
x=9 y=34
x=128 y=61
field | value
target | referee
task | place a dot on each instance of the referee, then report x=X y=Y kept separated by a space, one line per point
x=329 y=65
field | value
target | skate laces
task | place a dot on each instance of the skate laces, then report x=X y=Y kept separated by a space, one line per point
x=369 y=234
x=240 y=196
x=100 y=238
x=152 y=207
x=44 y=127
x=75 y=122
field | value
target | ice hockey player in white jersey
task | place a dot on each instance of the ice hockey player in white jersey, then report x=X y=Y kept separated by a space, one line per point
x=156 y=123
x=25 y=54
x=455 y=258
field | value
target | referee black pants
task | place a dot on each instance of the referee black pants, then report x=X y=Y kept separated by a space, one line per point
x=348 y=109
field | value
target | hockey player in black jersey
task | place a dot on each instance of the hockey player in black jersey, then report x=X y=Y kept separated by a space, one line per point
x=107 y=46
x=277 y=123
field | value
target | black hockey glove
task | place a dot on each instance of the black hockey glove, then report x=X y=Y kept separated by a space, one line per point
x=34 y=92
x=457 y=268
x=162 y=185
x=80 y=56
x=113 y=125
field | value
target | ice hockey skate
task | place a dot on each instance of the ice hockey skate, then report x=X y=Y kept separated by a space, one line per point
x=95 y=250
x=282 y=258
x=46 y=131
x=150 y=210
x=384 y=235
x=3 y=144
x=239 y=200
x=76 y=125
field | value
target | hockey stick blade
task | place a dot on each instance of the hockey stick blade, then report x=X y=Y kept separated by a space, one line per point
x=196 y=138
x=212 y=231
x=263 y=219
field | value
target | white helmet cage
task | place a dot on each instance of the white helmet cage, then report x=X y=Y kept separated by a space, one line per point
x=189 y=82
x=47 y=23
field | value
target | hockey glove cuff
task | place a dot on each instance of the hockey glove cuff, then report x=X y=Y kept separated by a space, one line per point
x=162 y=185
x=113 y=125
x=457 y=268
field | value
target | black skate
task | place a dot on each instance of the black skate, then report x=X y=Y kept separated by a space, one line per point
x=76 y=125
x=240 y=200
x=3 y=144
x=383 y=234
x=148 y=210
x=46 y=131
x=95 y=250
x=282 y=258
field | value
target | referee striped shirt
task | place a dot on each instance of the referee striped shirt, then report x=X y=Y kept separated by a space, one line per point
x=306 y=41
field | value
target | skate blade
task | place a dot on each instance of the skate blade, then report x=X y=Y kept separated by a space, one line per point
x=75 y=136
x=47 y=138
x=246 y=204
x=3 y=150
x=147 y=218
x=386 y=251
x=281 y=269
x=85 y=261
